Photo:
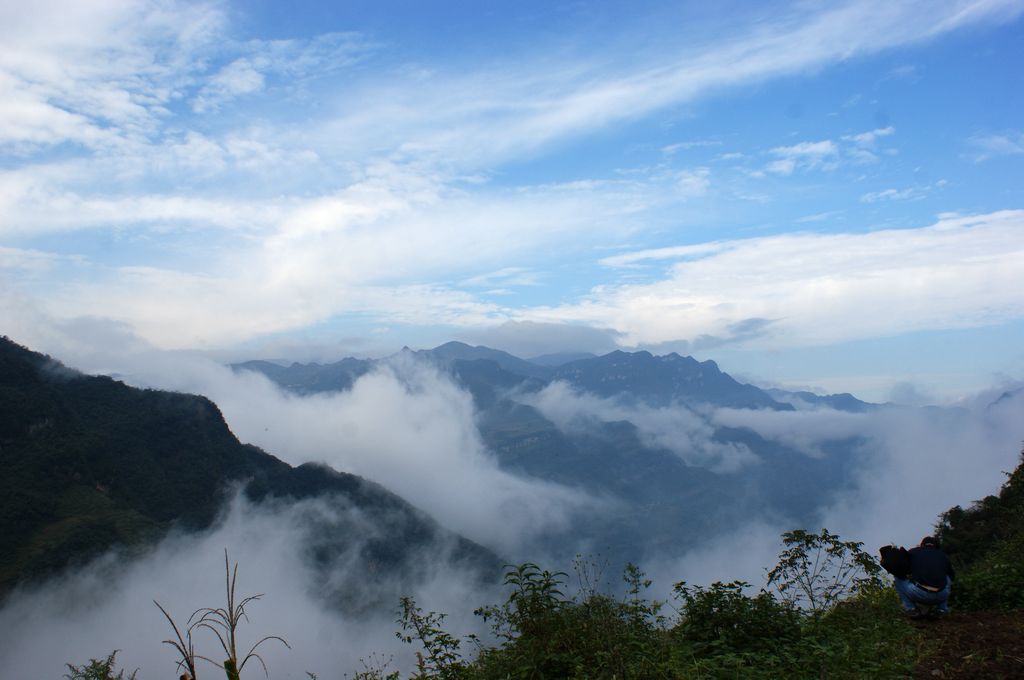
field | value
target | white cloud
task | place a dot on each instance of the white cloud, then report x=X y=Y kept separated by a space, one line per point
x=358 y=250
x=670 y=253
x=804 y=431
x=674 y=428
x=671 y=149
x=870 y=137
x=927 y=461
x=96 y=73
x=34 y=261
x=819 y=217
x=499 y=115
x=991 y=146
x=783 y=166
x=916 y=464
x=506 y=276
x=237 y=78
x=338 y=230
x=692 y=183
x=283 y=60
x=825 y=154
x=821 y=155
x=889 y=195
x=821 y=288
x=813 y=152
x=108 y=604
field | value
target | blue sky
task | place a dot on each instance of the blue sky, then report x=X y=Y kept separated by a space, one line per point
x=822 y=195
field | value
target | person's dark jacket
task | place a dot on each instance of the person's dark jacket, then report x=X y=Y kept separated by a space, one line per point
x=929 y=566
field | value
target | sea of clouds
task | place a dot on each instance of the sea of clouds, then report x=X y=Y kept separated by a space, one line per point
x=408 y=427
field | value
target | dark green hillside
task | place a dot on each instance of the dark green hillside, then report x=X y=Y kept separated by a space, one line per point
x=90 y=463
x=986 y=543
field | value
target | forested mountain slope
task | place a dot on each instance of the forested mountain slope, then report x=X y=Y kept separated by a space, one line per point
x=90 y=463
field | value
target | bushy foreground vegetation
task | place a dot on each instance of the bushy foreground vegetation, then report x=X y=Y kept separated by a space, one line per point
x=825 y=613
x=986 y=544
x=719 y=631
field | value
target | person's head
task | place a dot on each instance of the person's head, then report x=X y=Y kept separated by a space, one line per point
x=929 y=542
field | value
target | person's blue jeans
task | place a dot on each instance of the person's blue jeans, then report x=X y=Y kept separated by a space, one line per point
x=912 y=595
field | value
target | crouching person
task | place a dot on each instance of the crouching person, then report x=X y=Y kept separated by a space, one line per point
x=923 y=576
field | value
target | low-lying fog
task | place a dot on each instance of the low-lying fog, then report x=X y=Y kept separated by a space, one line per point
x=411 y=429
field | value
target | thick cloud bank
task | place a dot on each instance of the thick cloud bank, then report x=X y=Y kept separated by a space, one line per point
x=918 y=464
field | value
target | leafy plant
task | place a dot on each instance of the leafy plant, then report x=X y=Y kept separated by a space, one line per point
x=98 y=669
x=442 y=658
x=721 y=618
x=535 y=593
x=986 y=544
x=818 y=570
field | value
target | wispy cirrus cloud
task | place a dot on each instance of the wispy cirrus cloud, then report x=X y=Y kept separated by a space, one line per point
x=889 y=195
x=263 y=60
x=806 y=155
x=824 y=155
x=869 y=138
x=984 y=147
x=906 y=194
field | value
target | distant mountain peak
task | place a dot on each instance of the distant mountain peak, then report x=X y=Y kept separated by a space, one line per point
x=460 y=351
x=663 y=380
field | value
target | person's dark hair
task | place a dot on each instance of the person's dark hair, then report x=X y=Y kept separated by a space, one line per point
x=930 y=541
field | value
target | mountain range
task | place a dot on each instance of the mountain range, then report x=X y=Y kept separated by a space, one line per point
x=91 y=463
x=658 y=496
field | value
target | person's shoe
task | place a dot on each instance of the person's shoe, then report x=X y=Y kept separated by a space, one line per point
x=913 y=613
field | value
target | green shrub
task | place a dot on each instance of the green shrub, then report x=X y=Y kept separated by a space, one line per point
x=98 y=669
x=721 y=619
x=865 y=636
x=995 y=582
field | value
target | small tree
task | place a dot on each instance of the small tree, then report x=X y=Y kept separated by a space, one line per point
x=98 y=669
x=442 y=658
x=818 y=570
x=535 y=594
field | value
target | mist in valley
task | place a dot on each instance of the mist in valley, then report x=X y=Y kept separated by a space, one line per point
x=408 y=426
